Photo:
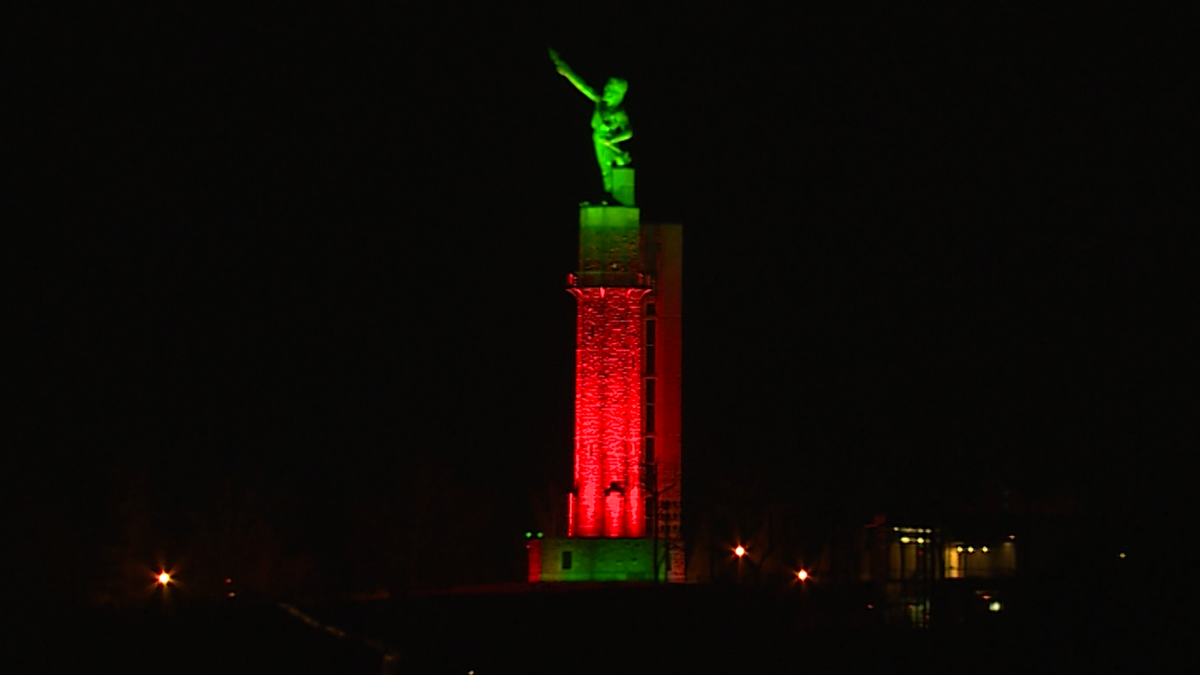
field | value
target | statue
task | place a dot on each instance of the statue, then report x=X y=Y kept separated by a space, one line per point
x=610 y=124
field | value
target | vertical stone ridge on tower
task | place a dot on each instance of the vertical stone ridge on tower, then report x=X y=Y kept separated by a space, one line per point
x=662 y=262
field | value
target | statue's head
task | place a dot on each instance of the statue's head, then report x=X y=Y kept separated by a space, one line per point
x=614 y=91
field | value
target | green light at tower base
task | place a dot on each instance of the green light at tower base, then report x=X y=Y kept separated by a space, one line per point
x=580 y=559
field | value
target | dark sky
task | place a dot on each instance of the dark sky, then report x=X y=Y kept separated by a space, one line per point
x=320 y=254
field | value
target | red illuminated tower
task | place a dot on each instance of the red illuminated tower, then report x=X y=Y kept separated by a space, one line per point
x=623 y=513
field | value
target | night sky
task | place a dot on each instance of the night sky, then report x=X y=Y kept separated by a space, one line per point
x=309 y=264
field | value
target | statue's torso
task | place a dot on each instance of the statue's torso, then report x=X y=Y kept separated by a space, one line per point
x=609 y=121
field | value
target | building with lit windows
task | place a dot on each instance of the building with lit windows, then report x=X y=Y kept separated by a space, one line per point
x=916 y=573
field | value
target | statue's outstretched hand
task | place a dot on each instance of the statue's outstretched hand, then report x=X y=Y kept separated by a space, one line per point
x=558 y=62
x=565 y=70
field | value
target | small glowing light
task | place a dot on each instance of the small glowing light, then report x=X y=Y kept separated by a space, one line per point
x=528 y=535
x=920 y=540
x=1121 y=555
x=984 y=549
x=231 y=594
x=1012 y=536
x=904 y=540
x=970 y=549
x=959 y=549
x=739 y=551
x=539 y=535
x=164 y=578
x=802 y=575
x=229 y=580
x=995 y=606
x=869 y=606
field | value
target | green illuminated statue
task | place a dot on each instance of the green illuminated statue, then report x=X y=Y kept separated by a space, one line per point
x=610 y=124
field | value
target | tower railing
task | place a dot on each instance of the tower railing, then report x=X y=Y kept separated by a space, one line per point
x=611 y=279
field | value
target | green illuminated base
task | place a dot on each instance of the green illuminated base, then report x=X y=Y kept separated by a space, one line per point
x=609 y=246
x=610 y=238
x=601 y=560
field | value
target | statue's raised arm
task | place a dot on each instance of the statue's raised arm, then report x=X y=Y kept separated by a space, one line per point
x=610 y=124
x=565 y=70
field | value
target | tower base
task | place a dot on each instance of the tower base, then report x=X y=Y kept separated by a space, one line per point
x=580 y=559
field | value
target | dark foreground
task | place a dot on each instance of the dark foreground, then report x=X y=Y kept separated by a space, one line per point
x=603 y=630
x=184 y=639
x=697 y=629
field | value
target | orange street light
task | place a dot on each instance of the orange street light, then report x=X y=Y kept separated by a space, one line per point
x=802 y=575
x=739 y=551
x=163 y=578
